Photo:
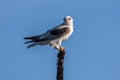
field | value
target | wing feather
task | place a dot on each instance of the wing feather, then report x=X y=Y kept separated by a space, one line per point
x=52 y=34
x=59 y=32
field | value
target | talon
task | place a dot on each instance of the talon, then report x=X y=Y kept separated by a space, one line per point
x=62 y=49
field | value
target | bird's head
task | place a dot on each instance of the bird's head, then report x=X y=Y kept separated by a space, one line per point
x=68 y=20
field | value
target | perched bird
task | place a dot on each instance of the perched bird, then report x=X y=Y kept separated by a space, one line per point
x=55 y=36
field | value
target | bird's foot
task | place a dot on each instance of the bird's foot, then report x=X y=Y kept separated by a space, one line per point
x=62 y=49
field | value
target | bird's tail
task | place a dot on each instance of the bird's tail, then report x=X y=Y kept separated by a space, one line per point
x=31 y=45
x=35 y=40
x=28 y=42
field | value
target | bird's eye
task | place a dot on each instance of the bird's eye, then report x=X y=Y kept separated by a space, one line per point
x=69 y=18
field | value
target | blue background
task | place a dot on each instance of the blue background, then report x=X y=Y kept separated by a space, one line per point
x=93 y=51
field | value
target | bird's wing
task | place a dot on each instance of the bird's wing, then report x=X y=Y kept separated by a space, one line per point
x=34 y=38
x=50 y=34
x=57 y=33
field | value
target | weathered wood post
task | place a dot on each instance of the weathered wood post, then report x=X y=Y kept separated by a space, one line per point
x=60 y=65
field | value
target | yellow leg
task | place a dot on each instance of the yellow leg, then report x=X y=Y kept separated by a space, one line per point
x=62 y=49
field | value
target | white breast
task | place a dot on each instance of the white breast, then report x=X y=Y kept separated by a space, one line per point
x=68 y=35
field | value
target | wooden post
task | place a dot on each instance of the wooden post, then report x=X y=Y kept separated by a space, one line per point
x=60 y=65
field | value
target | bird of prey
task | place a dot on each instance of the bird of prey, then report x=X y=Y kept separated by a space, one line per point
x=55 y=36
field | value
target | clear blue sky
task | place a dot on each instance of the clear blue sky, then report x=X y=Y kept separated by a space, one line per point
x=93 y=51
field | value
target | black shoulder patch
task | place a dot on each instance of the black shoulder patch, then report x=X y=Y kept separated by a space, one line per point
x=61 y=31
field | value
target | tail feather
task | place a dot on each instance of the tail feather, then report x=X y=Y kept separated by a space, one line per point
x=29 y=37
x=31 y=45
x=37 y=43
x=36 y=40
x=28 y=42
x=33 y=39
